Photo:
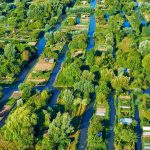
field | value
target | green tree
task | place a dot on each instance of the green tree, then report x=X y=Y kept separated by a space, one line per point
x=144 y=47
x=58 y=133
x=119 y=83
x=88 y=75
x=146 y=63
x=68 y=98
x=20 y=126
x=84 y=86
x=95 y=128
x=9 y=51
x=25 y=90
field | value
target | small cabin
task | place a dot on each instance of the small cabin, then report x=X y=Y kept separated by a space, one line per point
x=101 y=111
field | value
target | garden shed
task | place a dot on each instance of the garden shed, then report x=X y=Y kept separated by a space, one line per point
x=126 y=121
x=77 y=53
x=50 y=60
x=84 y=2
x=16 y=95
x=102 y=48
x=146 y=131
x=85 y=16
x=101 y=111
x=32 y=43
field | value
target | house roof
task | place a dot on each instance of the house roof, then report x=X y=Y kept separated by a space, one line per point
x=146 y=134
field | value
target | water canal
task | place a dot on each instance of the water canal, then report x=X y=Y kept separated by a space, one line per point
x=112 y=115
x=82 y=143
x=7 y=91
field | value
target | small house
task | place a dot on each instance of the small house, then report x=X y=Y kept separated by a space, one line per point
x=101 y=111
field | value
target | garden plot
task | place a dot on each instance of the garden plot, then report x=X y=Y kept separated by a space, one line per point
x=4 y=111
x=125 y=124
x=144 y=111
x=45 y=64
x=82 y=27
x=101 y=4
x=82 y=4
x=125 y=112
x=6 y=80
x=41 y=71
x=57 y=47
x=79 y=19
x=146 y=137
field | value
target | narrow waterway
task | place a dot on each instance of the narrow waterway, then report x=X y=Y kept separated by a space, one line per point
x=143 y=22
x=112 y=115
x=82 y=143
x=7 y=91
x=138 y=129
x=91 y=32
x=138 y=145
x=147 y=91
x=53 y=76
